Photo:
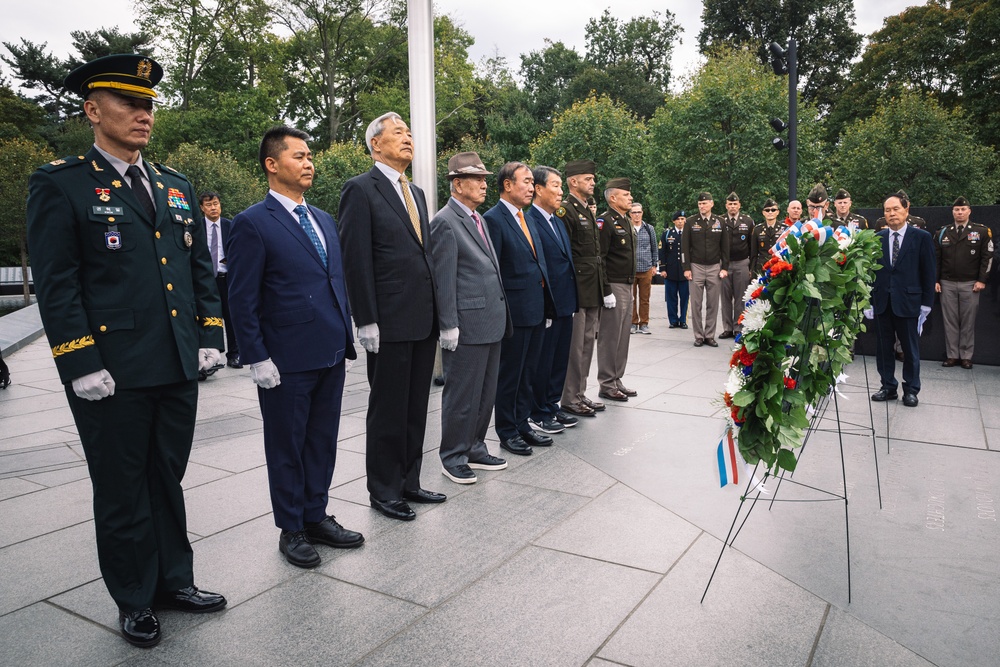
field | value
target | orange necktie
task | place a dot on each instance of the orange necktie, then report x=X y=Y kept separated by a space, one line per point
x=527 y=234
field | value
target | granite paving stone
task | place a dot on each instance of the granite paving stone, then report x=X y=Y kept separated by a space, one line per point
x=228 y=501
x=15 y=486
x=848 y=641
x=45 y=511
x=560 y=470
x=25 y=645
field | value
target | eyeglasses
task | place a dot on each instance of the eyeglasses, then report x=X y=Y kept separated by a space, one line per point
x=770 y=210
x=815 y=207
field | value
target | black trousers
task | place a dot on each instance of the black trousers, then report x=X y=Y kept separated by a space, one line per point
x=232 y=349
x=518 y=364
x=137 y=444
x=888 y=328
x=550 y=371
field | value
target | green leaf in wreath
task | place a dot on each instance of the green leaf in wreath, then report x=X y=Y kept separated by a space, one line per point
x=786 y=460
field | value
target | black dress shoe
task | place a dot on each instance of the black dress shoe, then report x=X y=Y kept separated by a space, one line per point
x=139 y=628
x=711 y=342
x=190 y=599
x=949 y=362
x=424 y=496
x=910 y=400
x=884 y=395
x=394 y=509
x=516 y=445
x=900 y=356
x=967 y=364
x=613 y=395
x=726 y=334
x=568 y=421
x=684 y=325
x=332 y=534
x=532 y=437
x=674 y=326
x=295 y=547
x=579 y=409
x=234 y=362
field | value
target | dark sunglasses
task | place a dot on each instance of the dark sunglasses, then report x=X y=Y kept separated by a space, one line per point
x=769 y=210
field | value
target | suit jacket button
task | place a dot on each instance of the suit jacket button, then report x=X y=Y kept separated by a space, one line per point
x=170 y=287
x=173 y=313
x=163 y=260
x=157 y=234
x=103 y=328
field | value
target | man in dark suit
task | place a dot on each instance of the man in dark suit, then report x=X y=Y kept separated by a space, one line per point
x=902 y=297
x=550 y=373
x=384 y=232
x=128 y=299
x=217 y=234
x=518 y=247
x=473 y=317
x=293 y=325
x=675 y=285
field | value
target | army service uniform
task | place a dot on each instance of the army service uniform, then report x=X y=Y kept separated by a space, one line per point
x=963 y=259
x=705 y=247
x=914 y=220
x=618 y=249
x=675 y=285
x=853 y=221
x=735 y=284
x=137 y=297
x=762 y=240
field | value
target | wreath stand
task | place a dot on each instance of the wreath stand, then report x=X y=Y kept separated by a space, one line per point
x=817 y=417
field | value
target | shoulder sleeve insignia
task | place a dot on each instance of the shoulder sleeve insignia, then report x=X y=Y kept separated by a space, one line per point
x=600 y=223
x=72 y=346
x=560 y=212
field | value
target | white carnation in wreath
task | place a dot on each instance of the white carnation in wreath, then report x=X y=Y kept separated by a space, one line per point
x=756 y=316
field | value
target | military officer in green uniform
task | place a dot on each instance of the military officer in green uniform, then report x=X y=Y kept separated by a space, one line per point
x=765 y=235
x=128 y=299
x=618 y=249
x=964 y=256
x=818 y=203
x=705 y=249
x=843 y=216
x=592 y=288
x=914 y=220
x=740 y=228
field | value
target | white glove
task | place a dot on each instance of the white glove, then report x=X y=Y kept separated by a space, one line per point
x=869 y=313
x=94 y=386
x=208 y=358
x=609 y=301
x=548 y=323
x=449 y=339
x=348 y=364
x=368 y=337
x=265 y=374
x=924 y=312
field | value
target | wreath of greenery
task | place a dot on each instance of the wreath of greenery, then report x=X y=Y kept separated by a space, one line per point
x=802 y=316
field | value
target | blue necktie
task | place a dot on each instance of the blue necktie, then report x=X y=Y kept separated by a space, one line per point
x=895 y=247
x=310 y=231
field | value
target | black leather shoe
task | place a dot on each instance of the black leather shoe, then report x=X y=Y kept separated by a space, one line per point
x=711 y=342
x=910 y=400
x=139 y=628
x=295 y=547
x=394 y=509
x=234 y=362
x=516 y=445
x=628 y=392
x=949 y=362
x=579 y=409
x=684 y=325
x=967 y=364
x=568 y=421
x=900 y=356
x=613 y=395
x=532 y=437
x=698 y=342
x=675 y=326
x=332 y=534
x=190 y=599
x=884 y=395
x=596 y=406
x=726 y=334
x=424 y=496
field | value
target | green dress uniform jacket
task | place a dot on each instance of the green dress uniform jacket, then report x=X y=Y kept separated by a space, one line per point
x=859 y=221
x=964 y=257
x=740 y=232
x=764 y=238
x=914 y=220
x=584 y=238
x=705 y=241
x=117 y=290
x=617 y=246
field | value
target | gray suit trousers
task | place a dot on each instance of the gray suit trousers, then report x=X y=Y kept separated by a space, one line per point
x=470 y=389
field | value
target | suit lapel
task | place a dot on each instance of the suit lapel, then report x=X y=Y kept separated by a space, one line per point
x=470 y=226
x=160 y=195
x=388 y=192
x=291 y=225
x=516 y=224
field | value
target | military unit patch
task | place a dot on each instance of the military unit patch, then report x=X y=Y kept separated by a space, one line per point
x=113 y=240
x=176 y=199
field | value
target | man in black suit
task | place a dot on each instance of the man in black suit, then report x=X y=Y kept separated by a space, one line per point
x=294 y=327
x=902 y=297
x=550 y=374
x=217 y=234
x=384 y=234
x=518 y=246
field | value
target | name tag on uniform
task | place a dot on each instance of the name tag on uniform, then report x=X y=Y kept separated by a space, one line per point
x=107 y=210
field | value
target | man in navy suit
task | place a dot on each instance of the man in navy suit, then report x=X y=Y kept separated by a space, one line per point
x=290 y=311
x=519 y=250
x=217 y=234
x=385 y=234
x=902 y=297
x=550 y=373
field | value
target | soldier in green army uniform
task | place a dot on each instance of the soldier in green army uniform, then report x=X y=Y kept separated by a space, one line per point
x=592 y=288
x=843 y=215
x=765 y=235
x=705 y=249
x=964 y=257
x=618 y=249
x=740 y=228
x=914 y=220
x=128 y=298
x=818 y=203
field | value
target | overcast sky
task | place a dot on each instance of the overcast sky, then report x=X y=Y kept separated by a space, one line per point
x=510 y=28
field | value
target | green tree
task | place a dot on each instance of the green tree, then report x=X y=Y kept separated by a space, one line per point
x=503 y=111
x=218 y=171
x=19 y=117
x=642 y=45
x=823 y=29
x=547 y=75
x=715 y=136
x=912 y=142
x=978 y=70
x=18 y=159
x=336 y=165
x=493 y=158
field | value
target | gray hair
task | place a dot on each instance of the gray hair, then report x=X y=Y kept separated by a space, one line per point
x=376 y=126
x=541 y=174
x=506 y=173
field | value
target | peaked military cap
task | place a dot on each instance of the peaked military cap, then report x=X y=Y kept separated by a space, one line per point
x=842 y=194
x=733 y=197
x=961 y=201
x=705 y=196
x=769 y=203
x=591 y=201
x=578 y=167
x=466 y=164
x=817 y=195
x=129 y=74
x=619 y=184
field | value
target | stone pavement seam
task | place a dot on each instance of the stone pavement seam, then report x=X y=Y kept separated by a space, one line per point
x=819 y=633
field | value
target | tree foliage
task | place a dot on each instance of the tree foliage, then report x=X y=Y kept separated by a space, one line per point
x=218 y=171
x=334 y=167
x=19 y=157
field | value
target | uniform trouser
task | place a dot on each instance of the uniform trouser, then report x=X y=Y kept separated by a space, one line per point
x=676 y=293
x=518 y=362
x=613 y=341
x=887 y=327
x=586 y=324
x=640 y=297
x=550 y=376
x=705 y=283
x=301 y=422
x=467 y=401
x=137 y=444
x=733 y=286
x=232 y=349
x=400 y=380
x=959 y=306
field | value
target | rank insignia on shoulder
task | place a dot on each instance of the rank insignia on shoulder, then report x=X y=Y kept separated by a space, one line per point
x=56 y=163
x=560 y=212
x=104 y=194
x=113 y=240
x=176 y=199
x=188 y=239
x=94 y=164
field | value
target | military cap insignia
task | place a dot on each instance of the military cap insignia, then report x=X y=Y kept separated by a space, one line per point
x=560 y=212
x=94 y=163
x=144 y=69
x=56 y=163
x=72 y=346
x=176 y=199
x=188 y=239
x=104 y=194
x=116 y=183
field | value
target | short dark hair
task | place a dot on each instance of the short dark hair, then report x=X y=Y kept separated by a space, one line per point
x=274 y=142
x=208 y=195
x=901 y=196
x=541 y=174
x=506 y=173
